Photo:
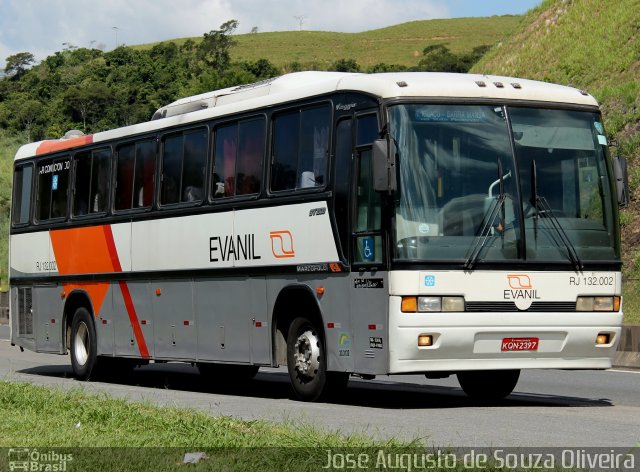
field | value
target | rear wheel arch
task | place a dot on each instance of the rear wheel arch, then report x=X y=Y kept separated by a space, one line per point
x=76 y=299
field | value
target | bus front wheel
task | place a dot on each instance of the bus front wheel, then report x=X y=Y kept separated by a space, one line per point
x=83 y=344
x=306 y=363
x=488 y=385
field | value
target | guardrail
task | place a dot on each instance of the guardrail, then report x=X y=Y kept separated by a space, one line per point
x=628 y=354
x=4 y=307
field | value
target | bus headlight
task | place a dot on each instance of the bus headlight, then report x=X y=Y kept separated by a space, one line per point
x=598 y=303
x=431 y=304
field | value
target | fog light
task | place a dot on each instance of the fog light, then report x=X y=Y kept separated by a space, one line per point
x=425 y=340
x=603 y=338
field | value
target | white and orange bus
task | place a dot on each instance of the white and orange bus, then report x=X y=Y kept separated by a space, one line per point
x=339 y=224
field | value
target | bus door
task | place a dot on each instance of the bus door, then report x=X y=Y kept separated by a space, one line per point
x=369 y=281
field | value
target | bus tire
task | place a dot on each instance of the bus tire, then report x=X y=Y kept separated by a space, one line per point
x=306 y=360
x=488 y=385
x=83 y=344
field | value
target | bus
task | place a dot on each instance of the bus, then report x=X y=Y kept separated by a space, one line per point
x=338 y=224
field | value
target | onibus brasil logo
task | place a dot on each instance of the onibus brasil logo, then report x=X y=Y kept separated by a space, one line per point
x=36 y=460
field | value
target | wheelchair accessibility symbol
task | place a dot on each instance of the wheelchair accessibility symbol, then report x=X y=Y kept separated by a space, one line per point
x=368 y=253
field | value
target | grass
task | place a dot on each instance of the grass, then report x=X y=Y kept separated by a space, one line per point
x=140 y=436
x=631 y=301
x=399 y=44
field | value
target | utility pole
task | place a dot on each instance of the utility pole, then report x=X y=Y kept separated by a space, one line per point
x=300 y=19
x=115 y=29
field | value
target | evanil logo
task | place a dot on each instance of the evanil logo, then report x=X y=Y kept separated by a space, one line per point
x=521 y=291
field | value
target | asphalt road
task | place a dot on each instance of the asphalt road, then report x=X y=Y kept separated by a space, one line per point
x=548 y=408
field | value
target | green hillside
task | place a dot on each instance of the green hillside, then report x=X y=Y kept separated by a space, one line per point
x=400 y=44
x=593 y=45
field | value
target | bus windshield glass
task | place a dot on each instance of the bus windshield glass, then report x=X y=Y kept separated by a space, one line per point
x=485 y=183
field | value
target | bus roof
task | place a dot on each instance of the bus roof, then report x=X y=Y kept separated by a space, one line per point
x=300 y=85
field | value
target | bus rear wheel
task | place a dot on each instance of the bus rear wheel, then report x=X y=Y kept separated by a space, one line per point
x=83 y=344
x=488 y=385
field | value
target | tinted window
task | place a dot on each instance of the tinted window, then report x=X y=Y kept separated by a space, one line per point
x=224 y=172
x=183 y=161
x=300 y=149
x=136 y=168
x=367 y=129
x=22 y=194
x=368 y=217
x=53 y=184
x=91 y=184
x=250 y=157
x=239 y=153
x=285 y=151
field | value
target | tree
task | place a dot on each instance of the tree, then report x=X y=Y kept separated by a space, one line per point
x=25 y=111
x=17 y=64
x=438 y=58
x=262 y=69
x=345 y=65
x=215 y=46
x=88 y=100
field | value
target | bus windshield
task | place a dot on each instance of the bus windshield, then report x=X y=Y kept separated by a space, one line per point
x=485 y=183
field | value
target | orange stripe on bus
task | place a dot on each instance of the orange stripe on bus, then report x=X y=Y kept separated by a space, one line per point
x=133 y=318
x=58 y=145
x=128 y=301
x=92 y=250
x=83 y=251
x=97 y=291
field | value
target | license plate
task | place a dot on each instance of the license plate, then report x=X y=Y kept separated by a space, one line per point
x=520 y=344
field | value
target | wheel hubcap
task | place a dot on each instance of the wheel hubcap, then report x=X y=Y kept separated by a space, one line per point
x=81 y=344
x=307 y=354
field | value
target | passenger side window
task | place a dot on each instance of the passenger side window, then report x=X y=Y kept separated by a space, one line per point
x=135 y=175
x=22 y=194
x=20 y=208
x=53 y=185
x=239 y=153
x=91 y=182
x=300 y=148
x=183 y=161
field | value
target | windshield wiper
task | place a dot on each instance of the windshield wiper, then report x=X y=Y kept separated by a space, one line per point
x=496 y=207
x=543 y=209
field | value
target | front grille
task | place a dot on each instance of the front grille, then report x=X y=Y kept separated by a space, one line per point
x=25 y=311
x=511 y=307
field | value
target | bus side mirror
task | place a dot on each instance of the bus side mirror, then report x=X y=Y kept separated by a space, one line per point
x=384 y=165
x=622 y=180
